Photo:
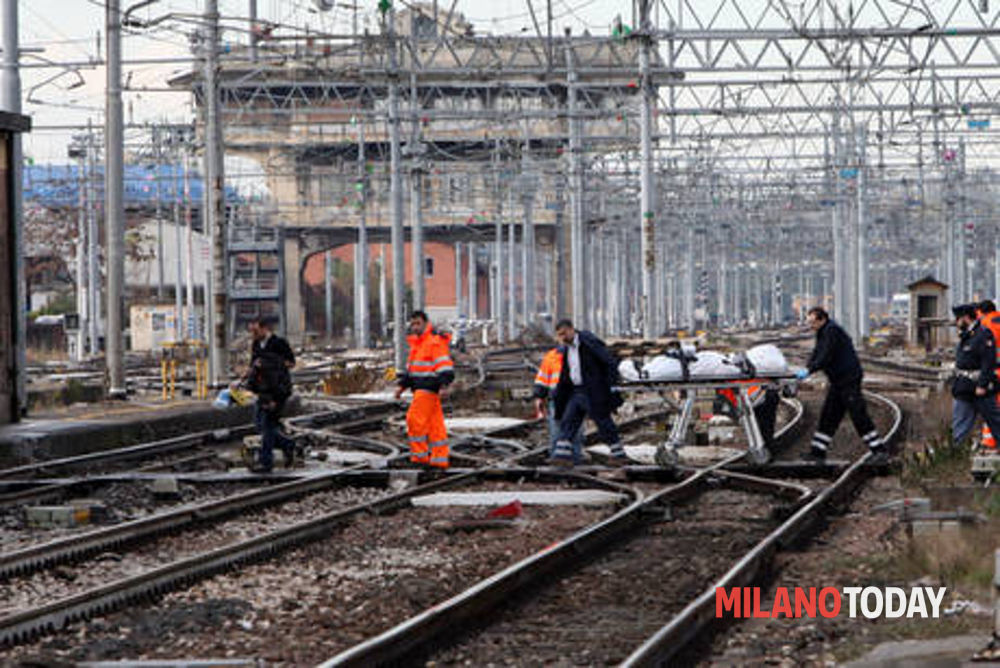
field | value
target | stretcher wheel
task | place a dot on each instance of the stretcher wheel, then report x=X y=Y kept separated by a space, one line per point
x=666 y=456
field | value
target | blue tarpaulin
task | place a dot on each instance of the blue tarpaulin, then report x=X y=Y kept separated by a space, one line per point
x=56 y=185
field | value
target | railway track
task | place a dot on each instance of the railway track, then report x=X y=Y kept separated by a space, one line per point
x=557 y=589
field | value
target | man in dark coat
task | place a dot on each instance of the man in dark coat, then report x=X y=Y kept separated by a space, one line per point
x=589 y=371
x=269 y=378
x=834 y=355
x=975 y=387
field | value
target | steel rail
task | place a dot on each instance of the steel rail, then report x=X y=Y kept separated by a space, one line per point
x=188 y=441
x=666 y=643
x=423 y=630
x=103 y=599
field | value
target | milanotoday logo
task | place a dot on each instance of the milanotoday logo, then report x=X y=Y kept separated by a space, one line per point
x=869 y=602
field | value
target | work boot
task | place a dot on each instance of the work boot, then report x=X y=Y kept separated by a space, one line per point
x=260 y=468
x=289 y=452
x=814 y=454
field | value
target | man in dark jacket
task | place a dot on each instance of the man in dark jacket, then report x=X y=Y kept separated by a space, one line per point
x=975 y=387
x=588 y=373
x=269 y=378
x=834 y=355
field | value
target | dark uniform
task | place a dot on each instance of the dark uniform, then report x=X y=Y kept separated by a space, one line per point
x=270 y=379
x=975 y=367
x=834 y=354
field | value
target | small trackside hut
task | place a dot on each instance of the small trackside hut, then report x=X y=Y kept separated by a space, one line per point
x=929 y=313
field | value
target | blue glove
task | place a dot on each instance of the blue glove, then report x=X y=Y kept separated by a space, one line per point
x=802 y=374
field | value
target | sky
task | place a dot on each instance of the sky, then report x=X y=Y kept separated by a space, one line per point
x=71 y=31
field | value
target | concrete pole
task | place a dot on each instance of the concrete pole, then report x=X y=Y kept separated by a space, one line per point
x=648 y=195
x=10 y=89
x=577 y=271
x=215 y=219
x=458 y=279
x=114 y=204
x=93 y=254
x=328 y=294
x=361 y=327
x=178 y=283
x=396 y=201
x=81 y=258
x=473 y=284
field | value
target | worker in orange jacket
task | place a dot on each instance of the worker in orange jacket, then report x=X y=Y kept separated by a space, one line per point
x=546 y=381
x=764 y=403
x=987 y=313
x=429 y=372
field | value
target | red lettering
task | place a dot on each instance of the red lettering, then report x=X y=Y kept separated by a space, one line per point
x=833 y=593
x=757 y=612
x=747 y=602
x=804 y=603
x=782 y=603
x=729 y=603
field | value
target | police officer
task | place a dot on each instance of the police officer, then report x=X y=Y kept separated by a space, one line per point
x=975 y=387
x=834 y=354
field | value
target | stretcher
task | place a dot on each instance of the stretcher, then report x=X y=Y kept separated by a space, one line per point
x=691 y=389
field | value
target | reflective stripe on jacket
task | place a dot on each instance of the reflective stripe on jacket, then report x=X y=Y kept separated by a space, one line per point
x=429 y=366
x=548 y=374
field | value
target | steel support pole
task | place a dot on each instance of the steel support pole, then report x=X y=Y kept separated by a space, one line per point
x=114 y=204
x=81 y=259
x=528 y=260
x=383 y=292
x=93 y=251
x=861 y=259
x=216 y=211
x=577 y=270
x=328 y=294
x=473 y=283
x=160 y=270
x=361 y=326
x=497 y=312
x=648 y=196
x=416 y=206
x=178 y=282
x=252 y=16
x=396 y=201
x=511 y=270
x=996 y=268
x=458 y=280
x=10 y=89
x=193 y=331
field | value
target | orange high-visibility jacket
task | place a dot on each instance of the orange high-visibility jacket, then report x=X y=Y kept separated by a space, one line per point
x=756 y=393
x=548 y=374
x=991 y=321
x=429 y=366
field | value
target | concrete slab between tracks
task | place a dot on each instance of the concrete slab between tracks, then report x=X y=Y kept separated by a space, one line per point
x=40 y=439
x=954 y=651
x=575 y=497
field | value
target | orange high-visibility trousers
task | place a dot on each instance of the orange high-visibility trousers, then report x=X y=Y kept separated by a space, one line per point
x=989 y=441
x=426 y=431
